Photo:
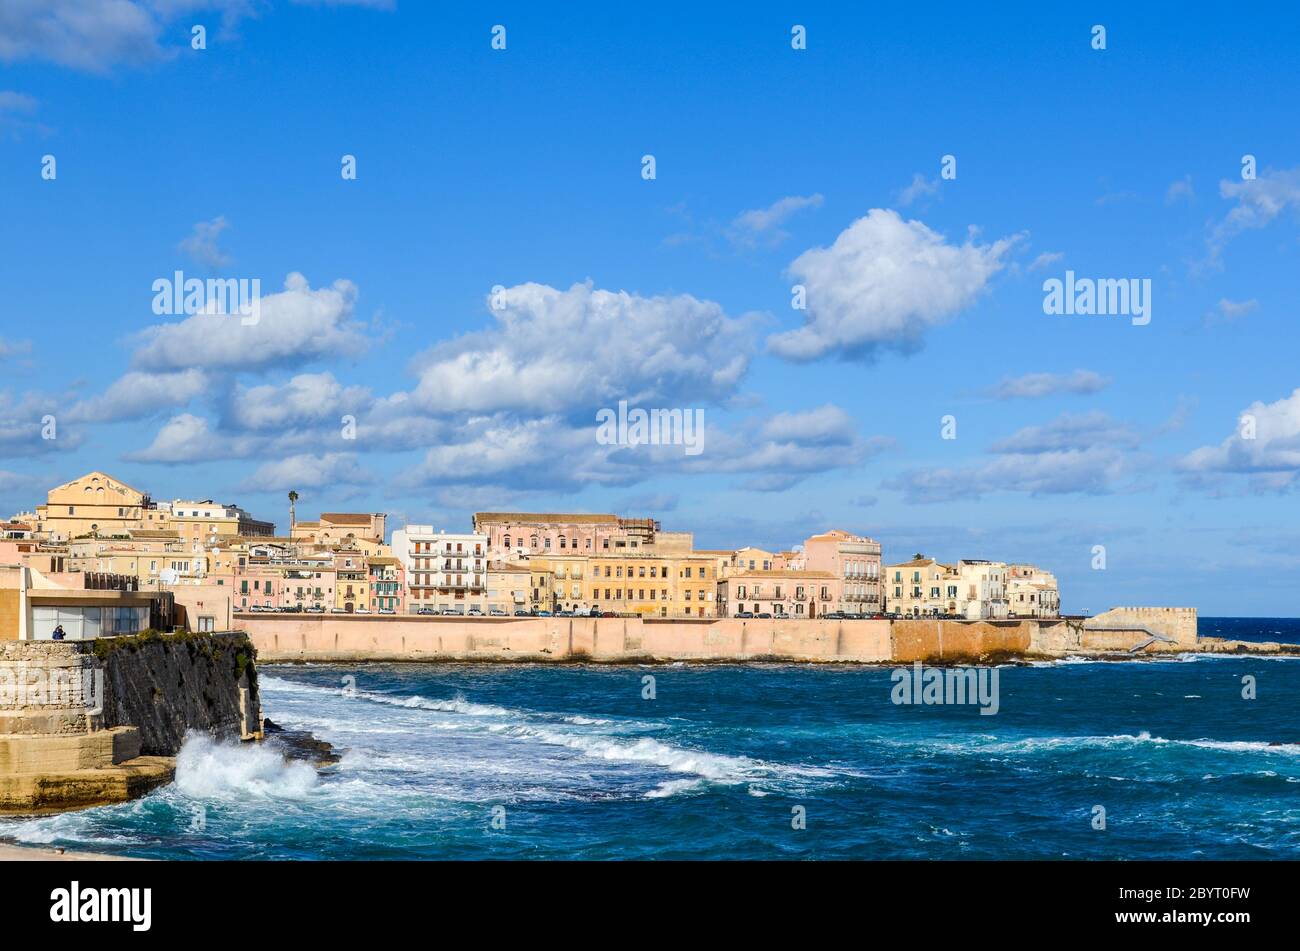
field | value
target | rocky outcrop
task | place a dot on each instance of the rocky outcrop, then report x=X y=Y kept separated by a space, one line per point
x=166 y=685
x=85 y=723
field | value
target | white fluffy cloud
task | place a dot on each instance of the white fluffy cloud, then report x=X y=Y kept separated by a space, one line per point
x=770 y=453
x=308 y=471
x=556 y=351
x=189 y=438
x=298 y=324
x=1266 y=445
x=884 y=283
x=136 y=395
x=306 y=399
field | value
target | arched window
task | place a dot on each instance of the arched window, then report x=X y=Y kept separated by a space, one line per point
x=533 y=542
x=507 y=541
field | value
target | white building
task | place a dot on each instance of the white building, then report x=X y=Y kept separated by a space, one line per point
x=981 y=589
x=444 y=572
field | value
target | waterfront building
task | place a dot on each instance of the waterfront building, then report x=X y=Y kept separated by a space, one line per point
x=520 y=535
x=445 y=572
x=1032 y=592
x=34 y=602
x=351 y=581
x=650 y=585
x=982 y=589
x=794 y=593
x=854 y=560
x=508 y=587
x=922 y=587
x=387 y=583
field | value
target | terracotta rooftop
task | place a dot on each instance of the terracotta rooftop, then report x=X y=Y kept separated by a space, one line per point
x=344 y=518
x=915 y=563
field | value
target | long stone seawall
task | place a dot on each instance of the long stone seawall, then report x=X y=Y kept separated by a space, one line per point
x=339 y=637
x=280 y=637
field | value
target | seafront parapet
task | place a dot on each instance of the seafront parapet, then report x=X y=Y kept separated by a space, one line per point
x=352 y=637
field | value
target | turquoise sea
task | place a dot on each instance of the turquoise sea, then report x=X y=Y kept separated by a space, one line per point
x=538 y=762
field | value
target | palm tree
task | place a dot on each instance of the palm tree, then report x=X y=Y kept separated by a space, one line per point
x=293 y=497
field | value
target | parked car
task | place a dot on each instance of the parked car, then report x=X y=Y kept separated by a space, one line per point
x=520 y=612
x=387 y=611
x=744 y=614
x=456 y=610
x=763 y=614
x=475 y=611
x=543 y=614
x=496 y=612
x=426 y=611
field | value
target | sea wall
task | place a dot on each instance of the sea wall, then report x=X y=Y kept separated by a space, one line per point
x=351 y=637
x=331 y=637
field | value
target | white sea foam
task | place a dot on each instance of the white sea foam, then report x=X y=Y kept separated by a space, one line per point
x=675 y=787
x=592 y=737
x=206 y=769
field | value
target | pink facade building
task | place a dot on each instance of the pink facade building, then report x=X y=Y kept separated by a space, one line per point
x=799 y=594
x=854 y=560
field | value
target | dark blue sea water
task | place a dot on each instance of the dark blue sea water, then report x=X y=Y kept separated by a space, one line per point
x=720 y=761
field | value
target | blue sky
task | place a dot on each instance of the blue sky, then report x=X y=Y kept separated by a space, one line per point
x=522 y=168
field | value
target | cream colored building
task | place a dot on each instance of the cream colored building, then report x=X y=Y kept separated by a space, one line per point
x=922 y=587
x=333 y=529
x=96 y=503
x=1032 y=592
x=508 y=587
x=209 y=522
x=651 y=585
